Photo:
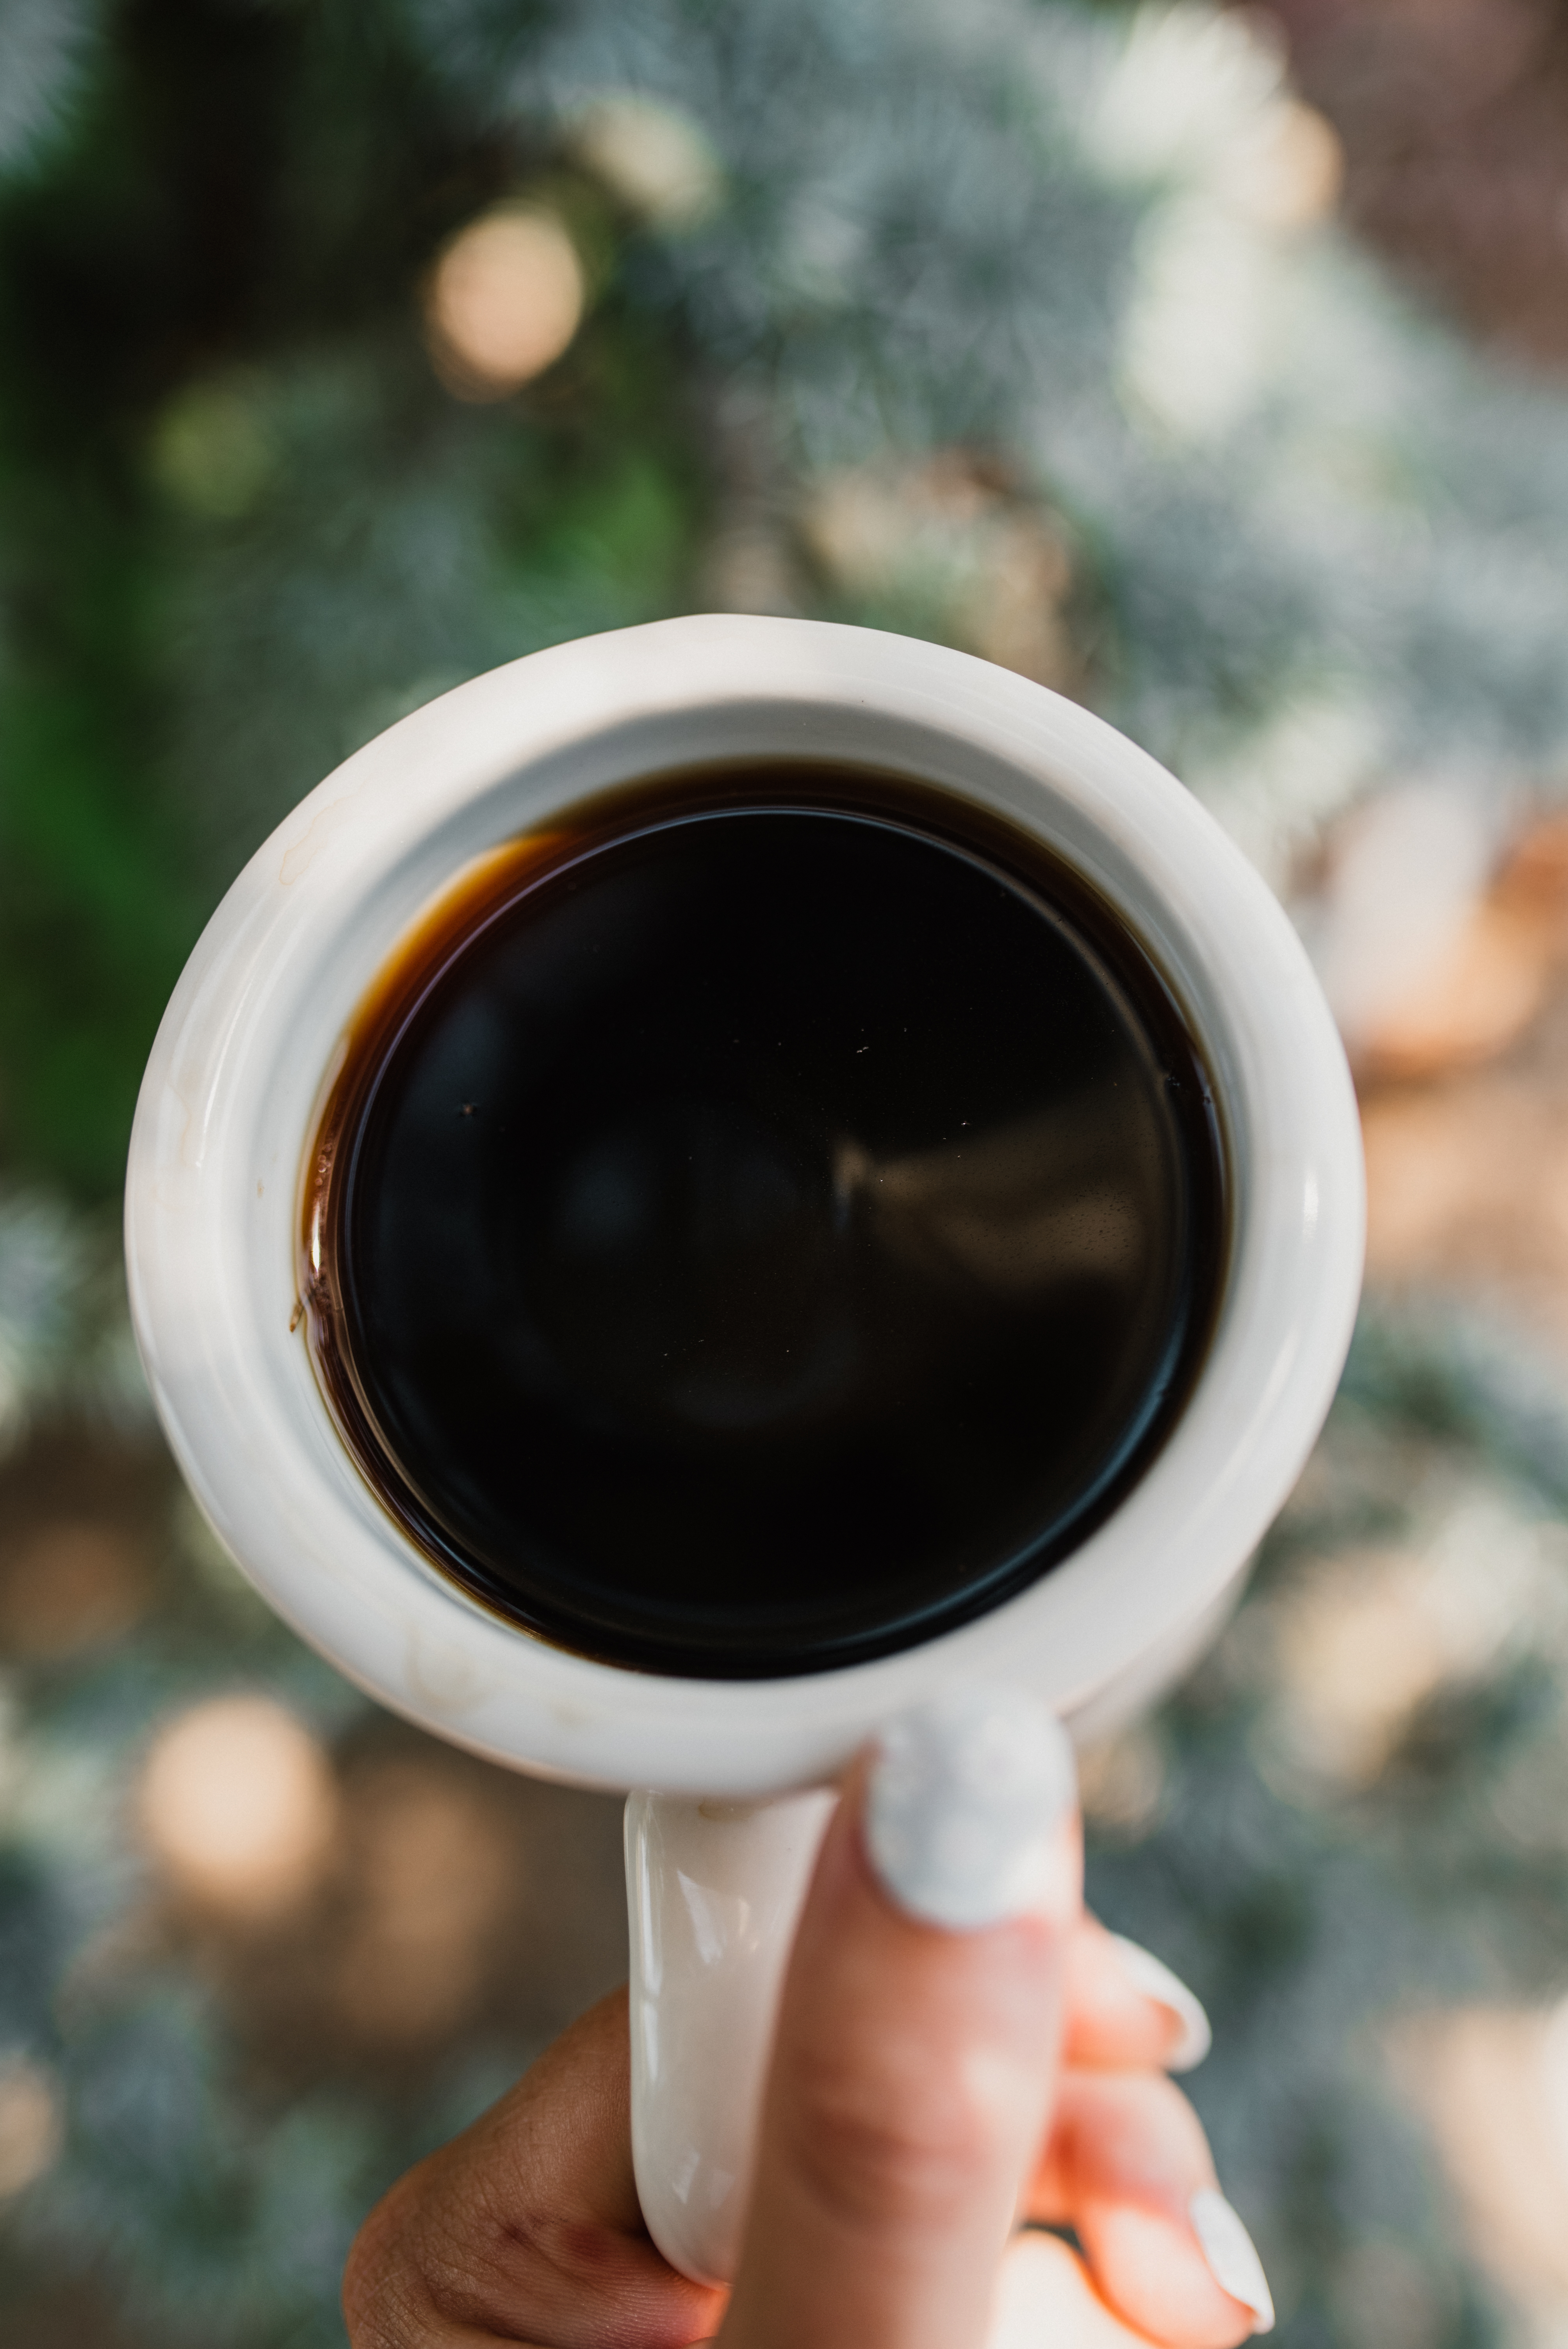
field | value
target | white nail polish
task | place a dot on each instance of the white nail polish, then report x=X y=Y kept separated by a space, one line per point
x=1146 y=1972
x=1232 y=2255
x=966 y=1805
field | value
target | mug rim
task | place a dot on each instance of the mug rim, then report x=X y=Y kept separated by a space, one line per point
x=245 y=1053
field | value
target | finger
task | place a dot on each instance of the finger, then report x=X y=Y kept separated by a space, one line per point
x=1045 y=2294
x=1125 y=2010
x=526 y=2228
x=915 y=2054
x=1127 y=2167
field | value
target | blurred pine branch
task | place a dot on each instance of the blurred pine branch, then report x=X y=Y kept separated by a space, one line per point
x=1027 y=328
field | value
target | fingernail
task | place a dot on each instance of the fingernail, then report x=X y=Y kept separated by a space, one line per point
x=1146 y=1972
x=1232 y=2255
x=965 y=1808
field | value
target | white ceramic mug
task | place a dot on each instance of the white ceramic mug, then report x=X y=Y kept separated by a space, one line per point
x=716 y=1862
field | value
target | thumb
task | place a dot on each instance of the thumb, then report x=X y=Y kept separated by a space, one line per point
x=915 y=2058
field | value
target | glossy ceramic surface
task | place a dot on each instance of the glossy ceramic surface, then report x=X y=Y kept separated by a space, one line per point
x=248 y=1043
x=714 y=1891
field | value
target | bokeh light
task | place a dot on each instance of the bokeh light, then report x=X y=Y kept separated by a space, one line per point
x=953 y=546
x=653 y=157
x=505 y=300
x=214 y=450
x=32 y=2123
x=238 y=1805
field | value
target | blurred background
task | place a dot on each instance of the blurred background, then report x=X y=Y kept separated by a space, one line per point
x=1209 y=366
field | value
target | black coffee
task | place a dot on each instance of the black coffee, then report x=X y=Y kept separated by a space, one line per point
x=768 y=1221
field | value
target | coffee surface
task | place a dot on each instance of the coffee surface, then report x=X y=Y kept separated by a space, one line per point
x=763 y=1225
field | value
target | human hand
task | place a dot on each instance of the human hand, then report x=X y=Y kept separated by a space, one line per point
x=932 y=2083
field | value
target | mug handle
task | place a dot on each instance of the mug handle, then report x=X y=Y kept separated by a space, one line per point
x=713 y=1893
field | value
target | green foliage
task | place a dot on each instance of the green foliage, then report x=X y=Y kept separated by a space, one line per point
x=243 y=526
x=241 y=523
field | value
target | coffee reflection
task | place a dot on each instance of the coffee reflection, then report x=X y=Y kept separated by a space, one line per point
x=1046 y=1200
